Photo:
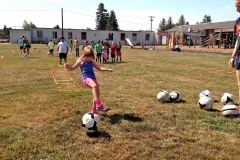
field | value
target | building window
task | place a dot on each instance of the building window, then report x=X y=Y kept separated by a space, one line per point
x=122 y=36
x=69 y=35
x=134 y=36
x=147 y=37
x=84 y=35
x=39 y=34
x=110 y=36
x=54 y=35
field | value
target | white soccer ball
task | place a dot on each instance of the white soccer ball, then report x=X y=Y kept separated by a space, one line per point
x=205 y=103
x=163 y=96
x=175 y=96
x=229 y=110
x=38 y=50
x=206 y=93
x=227 y=97
x=90 y=122
x=156 y=51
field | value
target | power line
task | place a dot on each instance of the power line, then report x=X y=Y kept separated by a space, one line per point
x=27 y=10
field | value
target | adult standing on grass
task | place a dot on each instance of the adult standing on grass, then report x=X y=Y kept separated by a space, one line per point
x=235 y=58
x=20 y=43
x=62 y=50
x=26 y=47
x=87 y=64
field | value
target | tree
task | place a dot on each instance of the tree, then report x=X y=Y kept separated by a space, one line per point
x=169 y=24
x=5 y=29
x=102 y=16
x=187 y=23
x=27 y=25
x=181 y=21
x=56 y=27
x=162 y=25
x=207 y=19
x=112 y=23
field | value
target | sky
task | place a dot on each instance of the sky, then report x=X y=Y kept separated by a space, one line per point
x=130 y=14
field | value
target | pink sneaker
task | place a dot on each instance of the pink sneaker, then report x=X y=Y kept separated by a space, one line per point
x=93 y=110
x=102 y=108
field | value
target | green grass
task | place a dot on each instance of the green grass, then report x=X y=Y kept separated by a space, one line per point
x=37 y=121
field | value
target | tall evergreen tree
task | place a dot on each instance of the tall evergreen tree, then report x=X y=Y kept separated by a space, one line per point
x=102 y=16
x=162 y=25
x=112 y=23
x=206 y=19
x=5 y=29
x=181 y=20
x=169 y=23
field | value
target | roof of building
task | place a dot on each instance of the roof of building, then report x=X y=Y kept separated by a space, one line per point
x=204 y=26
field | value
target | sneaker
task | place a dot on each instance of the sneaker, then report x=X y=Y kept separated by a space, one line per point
x=60 y=63
x=93 y=110
x=102 y=108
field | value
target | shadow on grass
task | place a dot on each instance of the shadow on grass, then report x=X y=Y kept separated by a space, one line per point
x=215 y=110
x=116 y=118
x=99 y=134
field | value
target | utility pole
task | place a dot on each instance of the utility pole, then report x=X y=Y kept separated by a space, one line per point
x=151 y=19
x=62 y=21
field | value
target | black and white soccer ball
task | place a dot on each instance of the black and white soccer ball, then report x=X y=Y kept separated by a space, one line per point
x=205 y=103
x=163 y=96
x=230 y=110
x=227 y=97
x=90 y=122
x=206 y=93
x=175 y=96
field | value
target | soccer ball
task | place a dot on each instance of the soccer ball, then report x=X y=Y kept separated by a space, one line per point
x=206 y=93
x=90 y=122
x=227 y=97
x=205 y=103
x=156 y=51
x=230 y=109
x=38 y=50
x=163 y=96
x=175 y=96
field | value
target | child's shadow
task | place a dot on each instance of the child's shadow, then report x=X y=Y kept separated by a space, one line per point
x=99 y=134
x=116 y=118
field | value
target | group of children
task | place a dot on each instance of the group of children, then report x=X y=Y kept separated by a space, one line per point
x=103 y=48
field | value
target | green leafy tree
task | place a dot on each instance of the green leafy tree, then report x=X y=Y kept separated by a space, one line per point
x=162 y=25
x=206 y=19
x=170 y=23
x=187 y=23
x=102 y=16
x=27 y=25
x=56 y=27
x=112 y=23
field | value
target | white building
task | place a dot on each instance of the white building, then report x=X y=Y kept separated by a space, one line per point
x=42 y=35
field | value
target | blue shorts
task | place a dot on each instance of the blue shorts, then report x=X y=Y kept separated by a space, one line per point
x=50 y=50
x=238 y=62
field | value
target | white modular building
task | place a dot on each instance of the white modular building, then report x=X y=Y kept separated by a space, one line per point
x=42 y=35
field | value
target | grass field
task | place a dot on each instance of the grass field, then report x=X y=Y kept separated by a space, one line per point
x=37 y=121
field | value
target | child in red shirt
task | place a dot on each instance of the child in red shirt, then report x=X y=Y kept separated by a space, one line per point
x=113 y=51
